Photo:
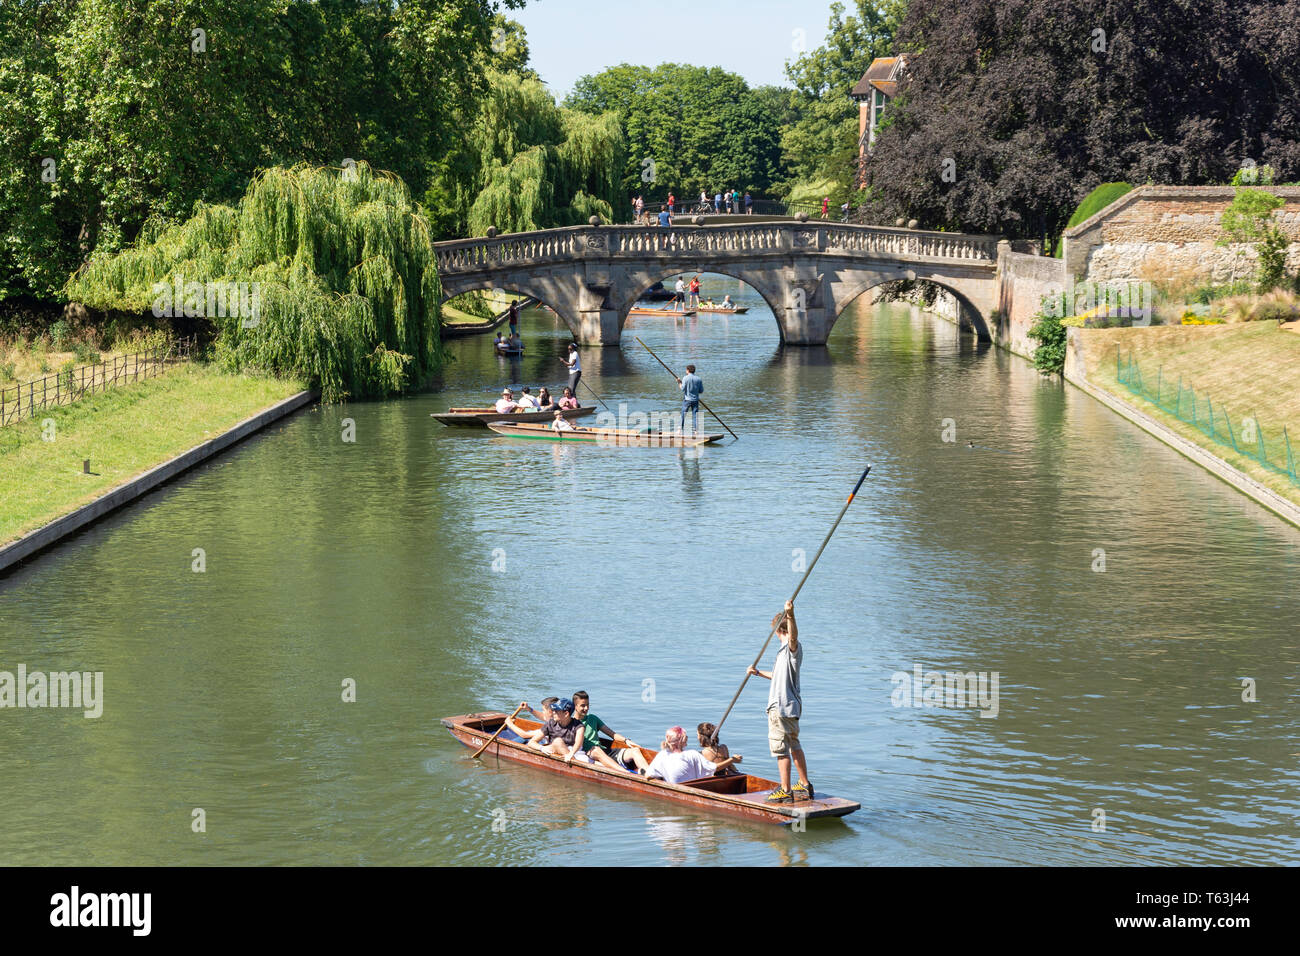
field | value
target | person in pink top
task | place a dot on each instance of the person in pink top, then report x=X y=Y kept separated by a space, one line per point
x=506 y=403
x=567 y=401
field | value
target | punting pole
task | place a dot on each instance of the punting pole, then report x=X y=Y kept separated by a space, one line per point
x=781 y=616
x=702 y=402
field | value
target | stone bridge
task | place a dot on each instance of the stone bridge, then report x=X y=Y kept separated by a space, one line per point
x=807 y=272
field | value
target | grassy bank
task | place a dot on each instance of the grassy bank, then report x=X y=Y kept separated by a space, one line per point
x=1252 y=370
x=124 y=432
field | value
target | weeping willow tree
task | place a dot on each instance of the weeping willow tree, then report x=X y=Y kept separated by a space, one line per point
x=526 y=163
x=341 y=268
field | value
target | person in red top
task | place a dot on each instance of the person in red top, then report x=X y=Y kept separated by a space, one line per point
x=695 y=293
x=826 y=206
x=671 y=201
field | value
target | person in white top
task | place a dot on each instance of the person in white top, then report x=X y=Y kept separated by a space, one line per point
x=506 y=403
x=575 y=367
x=527 y=401
x=674 y=765
x=679 y=298
x=561 y=424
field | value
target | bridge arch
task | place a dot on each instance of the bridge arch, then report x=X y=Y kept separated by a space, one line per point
x=771 y=294
x=969 y=317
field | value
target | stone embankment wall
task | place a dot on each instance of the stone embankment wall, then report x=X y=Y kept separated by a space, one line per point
x=1023 y=280
x=1171 y=232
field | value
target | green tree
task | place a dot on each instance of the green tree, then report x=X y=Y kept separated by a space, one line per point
x=687 y=128
x=822 y=142
x=1248 y=221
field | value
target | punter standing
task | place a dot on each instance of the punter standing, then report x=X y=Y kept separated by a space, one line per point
x=575 y=368
x=692 y=387
x=783 y=709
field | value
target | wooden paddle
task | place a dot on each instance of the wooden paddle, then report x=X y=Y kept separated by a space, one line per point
x=702 y=402
x=475 y=754
x=781 y=617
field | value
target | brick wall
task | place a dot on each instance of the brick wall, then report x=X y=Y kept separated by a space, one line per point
x=1157 y=232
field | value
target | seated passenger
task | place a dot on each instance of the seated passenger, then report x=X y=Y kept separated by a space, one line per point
x=515 y=342
x=561 y=424
x=567 y=401
x=500 y=342
x=506 y=403
x=674 y=765
x=727 y=303
x=561 y=735
x=522 y=734
x=527 y=401
x=544 y=401
x=628 y=758
x=714 y=753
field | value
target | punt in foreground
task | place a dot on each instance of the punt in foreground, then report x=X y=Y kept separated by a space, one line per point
x=479 y=417
x=621 y=437
x=742 y=795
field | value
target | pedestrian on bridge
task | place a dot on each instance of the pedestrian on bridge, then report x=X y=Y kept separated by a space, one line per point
x=749 y=204
x=717 y=202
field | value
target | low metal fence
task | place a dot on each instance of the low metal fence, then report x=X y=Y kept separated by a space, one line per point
x=1211 y=420
x=64 y=387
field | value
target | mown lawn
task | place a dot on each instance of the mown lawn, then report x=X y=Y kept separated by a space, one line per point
x=124 y=432
x=1251 y=370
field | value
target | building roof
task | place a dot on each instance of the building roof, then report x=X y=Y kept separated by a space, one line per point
x=882 y=75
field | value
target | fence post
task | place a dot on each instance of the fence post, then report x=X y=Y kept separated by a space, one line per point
x=1290 y=458
x=1259 y=434
x=1159 y=381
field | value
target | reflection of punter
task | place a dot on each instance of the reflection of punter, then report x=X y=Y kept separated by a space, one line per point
x=692 y=387
x=783 y=709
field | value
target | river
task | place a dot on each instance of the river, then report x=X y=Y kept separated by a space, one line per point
x=1127 y=601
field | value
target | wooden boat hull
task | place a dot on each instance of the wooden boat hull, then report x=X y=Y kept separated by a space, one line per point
x=622 y=438
x=479 y=417
x=739 y=795
x=677 y=312
x=741 y=311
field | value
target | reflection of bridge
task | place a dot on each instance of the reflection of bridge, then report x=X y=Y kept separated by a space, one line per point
x=807 y=272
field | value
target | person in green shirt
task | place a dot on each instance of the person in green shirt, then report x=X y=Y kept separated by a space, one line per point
x=626 y=758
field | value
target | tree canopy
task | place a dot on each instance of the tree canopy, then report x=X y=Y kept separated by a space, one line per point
x=1013 y=111
x=687 y=128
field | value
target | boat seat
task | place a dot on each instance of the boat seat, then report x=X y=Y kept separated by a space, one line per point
x=732 y=783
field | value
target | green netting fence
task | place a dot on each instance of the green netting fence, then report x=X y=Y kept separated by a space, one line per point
x=1248 y=438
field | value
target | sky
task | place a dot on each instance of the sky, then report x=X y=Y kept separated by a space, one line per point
x=572 y=38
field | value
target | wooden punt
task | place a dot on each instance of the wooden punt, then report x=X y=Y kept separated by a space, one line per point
x=714 y=308
x=641 y=310
x=479 y=417
x=741 y=795
x=619 y=437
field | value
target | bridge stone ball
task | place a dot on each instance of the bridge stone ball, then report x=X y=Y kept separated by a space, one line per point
x=802 y=217
x=900 y=222
x=912 y=224
x=699 y=220
x=491 y=232
x=594 y=220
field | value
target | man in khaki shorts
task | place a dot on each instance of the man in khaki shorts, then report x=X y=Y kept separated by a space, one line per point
x=783 y=709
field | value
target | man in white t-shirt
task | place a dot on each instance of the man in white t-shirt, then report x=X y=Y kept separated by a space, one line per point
x=675 y=765
x=506 y=403
x=679 y=296
x=527 y=402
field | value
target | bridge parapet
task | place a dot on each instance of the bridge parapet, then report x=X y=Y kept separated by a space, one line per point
x=710 y=243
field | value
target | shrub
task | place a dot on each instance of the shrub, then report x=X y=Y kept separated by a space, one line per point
x=1272 y=258
x=61 y=336
x=85 y=354
x=67 y=374
x=8 y=371
x=1277 y=306
x=1049 y=356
